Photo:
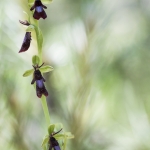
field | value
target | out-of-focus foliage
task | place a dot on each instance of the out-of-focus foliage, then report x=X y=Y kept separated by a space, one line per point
x=100 y=85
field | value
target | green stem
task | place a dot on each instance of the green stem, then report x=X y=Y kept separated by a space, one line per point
x=36 y=22
x=45 y=109
x=65 y=143
x=39 y=38
x=43 y=99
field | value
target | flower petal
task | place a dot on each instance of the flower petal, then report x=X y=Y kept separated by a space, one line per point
x=26 y=42
x=39 y=13
x=32 y=7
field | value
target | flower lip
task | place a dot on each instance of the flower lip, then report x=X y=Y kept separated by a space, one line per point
x=39 y=11
x=38 y=78
x=26 y=42
x=41 y=91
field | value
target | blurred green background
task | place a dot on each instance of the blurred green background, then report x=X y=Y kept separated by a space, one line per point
x=100 y=86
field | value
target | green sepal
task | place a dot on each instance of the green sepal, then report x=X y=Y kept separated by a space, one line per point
x=51 y=129
x=35 y=60
x=54 y=128
x=58 y=126
x=69 y=135
x=31 y=2
x=46 y=68
x=30 y=28
x=61 y=136
x=45 y=141
x=28 y=73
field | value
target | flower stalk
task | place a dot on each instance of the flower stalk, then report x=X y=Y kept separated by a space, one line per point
x=50 y=140
x=45 y=109
x=39 y=46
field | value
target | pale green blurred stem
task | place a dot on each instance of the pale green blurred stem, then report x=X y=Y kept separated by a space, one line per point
x=43 y=99
x=65 y=143
x=45 y=109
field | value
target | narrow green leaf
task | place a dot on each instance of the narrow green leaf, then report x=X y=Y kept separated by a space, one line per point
x=46 y=68
x=28 y=73
x=30 y=28
x=35 y=60
x=45 y=141
x=51 y=129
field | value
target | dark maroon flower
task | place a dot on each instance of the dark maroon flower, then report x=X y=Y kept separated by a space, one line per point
x=38 y=78
x=26 y=42
x=39 y=11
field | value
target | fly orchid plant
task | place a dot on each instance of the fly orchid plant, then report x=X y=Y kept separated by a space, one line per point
x=56 y=138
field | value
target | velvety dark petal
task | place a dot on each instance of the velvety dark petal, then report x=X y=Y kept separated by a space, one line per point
x=32 y=82
x=38 y=3
x=32 y=7
x=56 y=148
x=43 y=15
x=50 y=148
x=40 y=88
x=39 y=13
x=38 y=75
x=44 y=6
x=36 y=16
x=43 y=79
x=40 y=83
x=38 y=78
x=26 y=42
x=39 y=9
x=53 y=142
x=38 y=92
x=45 y=92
